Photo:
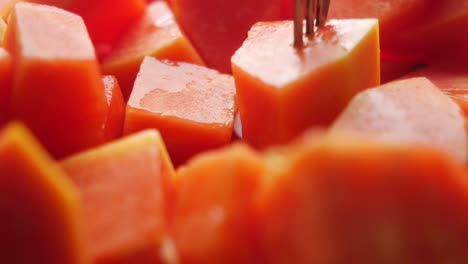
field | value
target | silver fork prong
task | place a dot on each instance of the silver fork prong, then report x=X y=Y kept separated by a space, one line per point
x=298 y=23
x=311 y=11
x=322 y=11
x=316 y=12
x=319 y=12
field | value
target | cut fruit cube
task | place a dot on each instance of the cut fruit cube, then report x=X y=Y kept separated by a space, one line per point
x=57 y=88
x=411 y=111
x=41 y=212
x=155 y=34
x=192 y=106
x=283 y=90
x=125 y=188
x=213 y=206
x=344 y=198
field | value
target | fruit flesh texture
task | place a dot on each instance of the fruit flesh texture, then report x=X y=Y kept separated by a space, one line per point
x=441 y=35
x=155 y=34
x=450 y=79
x=282 y=91
x=5 y=8
x=214 y=198
x=348 y=198
x=6 y=70
x=192 y=106
x=420 y=30
x=41 y=212
x=72 y=115
x=217 y=28
x=115 y=117
x=125 y=187
x=107 y=19
x=411 y=111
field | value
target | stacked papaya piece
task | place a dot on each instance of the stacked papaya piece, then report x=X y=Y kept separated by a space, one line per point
x=117 y=128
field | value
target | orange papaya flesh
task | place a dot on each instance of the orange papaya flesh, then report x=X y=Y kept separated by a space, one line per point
x=6 y=71
x=424 y=31
x=450 y=79
x=411 y=111
x=192 y=106
x=155 y=34
x=213 y=204
x=125 y=187
x=41 y=212
x=115 y=117
x=5 y=8
x=440 y=36
x=57 y=93
x=217 y=28
x=282 y=91
x=338 y=198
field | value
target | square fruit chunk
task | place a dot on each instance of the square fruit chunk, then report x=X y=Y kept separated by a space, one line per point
x=41 y=212
x=218 y=27
x=411 y=111
x=125 y=187
x=343 y=198
x=115 y=117
x=106 y=20
x=192 y=106
x=155 y=34
x=283 y=90
x=57 y=88
x=212 y=222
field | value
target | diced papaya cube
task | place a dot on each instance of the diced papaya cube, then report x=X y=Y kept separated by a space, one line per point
x=212 y=222
x=412 y=111
x=115 y=117
x=450 y=79
x=41 y=215
x=57 y=88
x=344 y=198
x=283 y=90
x=155 y=34
x=217 y=28
x=124 y=187
x=192 y=106
x=6 y=71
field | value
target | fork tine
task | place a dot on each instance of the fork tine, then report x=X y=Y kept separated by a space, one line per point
x=298 y=23
x=319 y=12
x=323 y=6
x=311 y=11
x=316 y=13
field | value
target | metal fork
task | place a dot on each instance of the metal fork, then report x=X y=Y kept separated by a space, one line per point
x=316 y=12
